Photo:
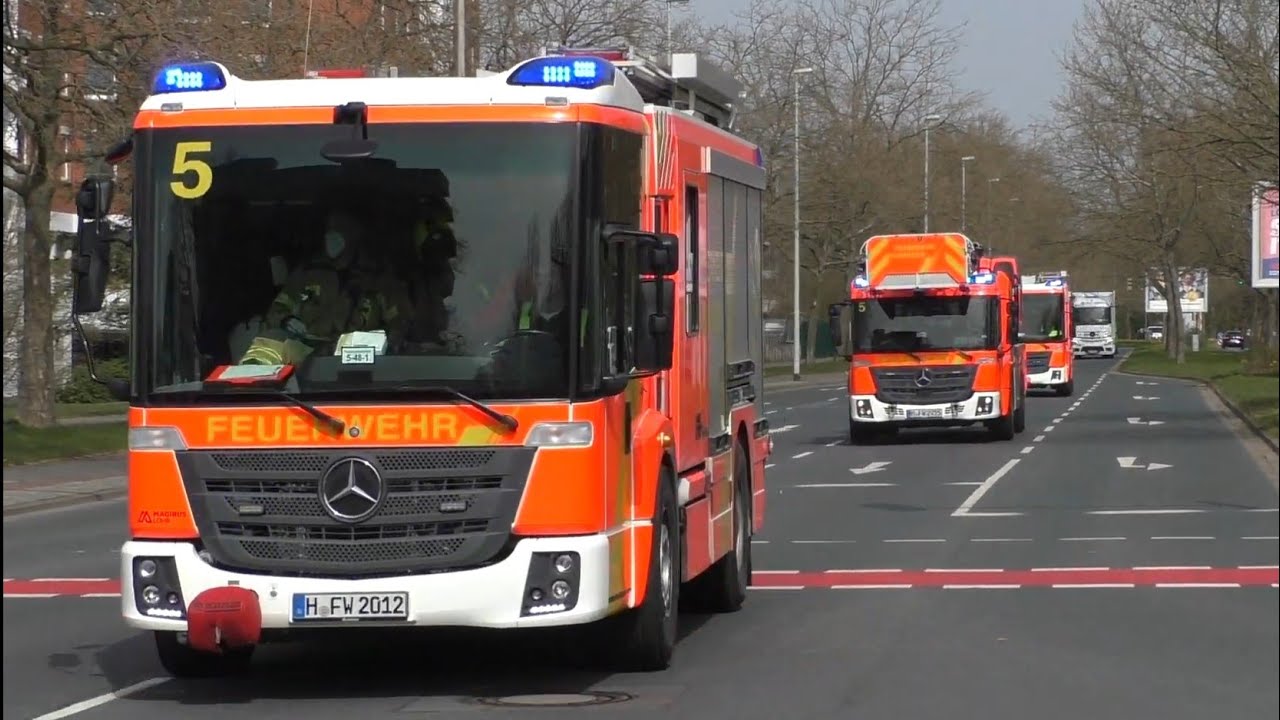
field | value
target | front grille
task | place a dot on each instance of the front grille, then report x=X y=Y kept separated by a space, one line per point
x=442 y=508
x=1038 y=362
x=946 y=384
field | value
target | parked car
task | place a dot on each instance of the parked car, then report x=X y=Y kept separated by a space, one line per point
x=1232 y=339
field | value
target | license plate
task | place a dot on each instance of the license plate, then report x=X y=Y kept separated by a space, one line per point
x=350 y=606
x=1092 y=351
x=926 y=413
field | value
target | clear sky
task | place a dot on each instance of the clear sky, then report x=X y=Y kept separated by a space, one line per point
x=1010 y=48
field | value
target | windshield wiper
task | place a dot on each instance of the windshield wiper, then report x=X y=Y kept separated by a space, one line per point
x=337 y=425
x=507 y=421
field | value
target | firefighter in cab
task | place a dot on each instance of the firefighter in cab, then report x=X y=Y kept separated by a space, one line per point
x=341 y=289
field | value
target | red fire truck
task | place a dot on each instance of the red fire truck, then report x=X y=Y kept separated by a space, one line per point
x=439 y=351
x=1047 y=330
x=931 y=339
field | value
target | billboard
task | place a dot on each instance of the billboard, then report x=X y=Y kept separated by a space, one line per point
x=1192 y=292
x=1266 y=236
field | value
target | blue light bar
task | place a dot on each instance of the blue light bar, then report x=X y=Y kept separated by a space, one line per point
x=860 y=281
x=189 y=77
x=1054 y=282
x=583 y=72
x=982 y=278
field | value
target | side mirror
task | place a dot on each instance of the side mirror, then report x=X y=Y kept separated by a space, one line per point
x=92 y=262
x=657 y=253
x=844 y=338
x=655 y=336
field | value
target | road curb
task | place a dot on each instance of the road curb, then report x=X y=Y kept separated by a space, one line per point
x=82 y=498
x=1222 y=397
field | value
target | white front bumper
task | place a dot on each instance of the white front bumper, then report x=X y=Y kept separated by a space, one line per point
x=1052 y=376
x=868 y=409
x=1099 y=347
x=488 y=597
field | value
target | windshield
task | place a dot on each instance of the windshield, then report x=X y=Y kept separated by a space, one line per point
x=419 y=264
x=1043 y=317
x=922 y=322
x=1091 y=315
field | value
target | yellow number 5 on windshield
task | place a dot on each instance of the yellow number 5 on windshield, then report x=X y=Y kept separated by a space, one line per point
x=183 y=164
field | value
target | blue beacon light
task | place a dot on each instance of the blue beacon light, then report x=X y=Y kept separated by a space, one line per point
x=582 y=72
x=190 y=77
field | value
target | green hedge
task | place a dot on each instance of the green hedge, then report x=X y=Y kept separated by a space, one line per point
x=80 y=388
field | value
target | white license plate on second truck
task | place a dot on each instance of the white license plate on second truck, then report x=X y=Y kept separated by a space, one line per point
x=350 y=606
x=927 y=413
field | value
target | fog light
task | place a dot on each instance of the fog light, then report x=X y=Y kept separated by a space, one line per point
x=147 y=568
x=560 y=589
x=564 y=563
x=535 y=594
x=863 y=408
x=151 y=594
x=173 y=598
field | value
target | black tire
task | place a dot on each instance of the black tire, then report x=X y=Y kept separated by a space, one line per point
x=723 y=588
x=1067 y=389
x=1003 y=429
x=181 y=661
x=1020 y=417
x=647 y=634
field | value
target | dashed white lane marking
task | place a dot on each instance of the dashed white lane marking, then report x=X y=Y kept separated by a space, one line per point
x=981 y=587
x=1048 y=429
x=1147 y=511
x=963 y=570
x=1197 y=585
x=776 y=587
x=91 y=703
x=845 y=485
x=833 y=444
x=1071 y=586
x=868 y=570
x=1261 y=537
x=1070 y=569
x=823 y=542
x=769 y=465
x=915 y=540
x=1000 y=540
x=1182 y=537
x=1260 y=510
x=833 y=399
x=1172 y=567
x=870 y=587
x=967 y=505
x=1027 y=450
x=1038 y=438
x=1058 y=419
x=970 y=483
x=806 y=453
x=1091 y=539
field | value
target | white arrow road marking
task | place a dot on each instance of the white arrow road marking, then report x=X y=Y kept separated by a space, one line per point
x=1140 y=421
x=876 y=466
x=1130 y=462
x=1143 y=382
x=1145 y=397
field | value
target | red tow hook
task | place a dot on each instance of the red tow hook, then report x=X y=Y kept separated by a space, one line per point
x=224 y=618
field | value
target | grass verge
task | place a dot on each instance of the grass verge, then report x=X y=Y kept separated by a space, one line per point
x=24 y=445
x=820 y=367
x=63 y=411
x=1255 y=392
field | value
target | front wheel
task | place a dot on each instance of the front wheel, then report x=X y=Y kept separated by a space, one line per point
x=1067 y=389
x=646 y=635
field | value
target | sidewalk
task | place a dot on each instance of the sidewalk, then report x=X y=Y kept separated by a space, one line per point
x=58 y=483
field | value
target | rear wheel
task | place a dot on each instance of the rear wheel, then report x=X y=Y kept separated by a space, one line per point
x=723 y=588
x=646 y=636
x=182 y=661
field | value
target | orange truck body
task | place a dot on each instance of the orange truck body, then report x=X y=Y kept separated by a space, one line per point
x=474 y=524
x=930 y=339
x=1047 y=331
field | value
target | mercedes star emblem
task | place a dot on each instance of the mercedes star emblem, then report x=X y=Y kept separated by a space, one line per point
x=924 y=379
x=351 y=490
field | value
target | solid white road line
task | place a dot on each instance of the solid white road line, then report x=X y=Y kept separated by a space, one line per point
x=982 y=489
x=91 y=703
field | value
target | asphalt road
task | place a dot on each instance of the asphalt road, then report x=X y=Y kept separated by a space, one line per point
x=1061 y=575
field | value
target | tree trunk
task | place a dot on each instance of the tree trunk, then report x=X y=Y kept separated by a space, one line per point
x=1173 y=331
x=35 y=357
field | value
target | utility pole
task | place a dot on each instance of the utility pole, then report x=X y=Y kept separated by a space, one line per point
x=929 y=120
x=460 y=41
x=964 y=191
x=795 y=251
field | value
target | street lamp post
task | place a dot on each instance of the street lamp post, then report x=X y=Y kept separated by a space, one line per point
x=669 y=3
x=964 y=191
x=795 y=250
x=929 y=120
